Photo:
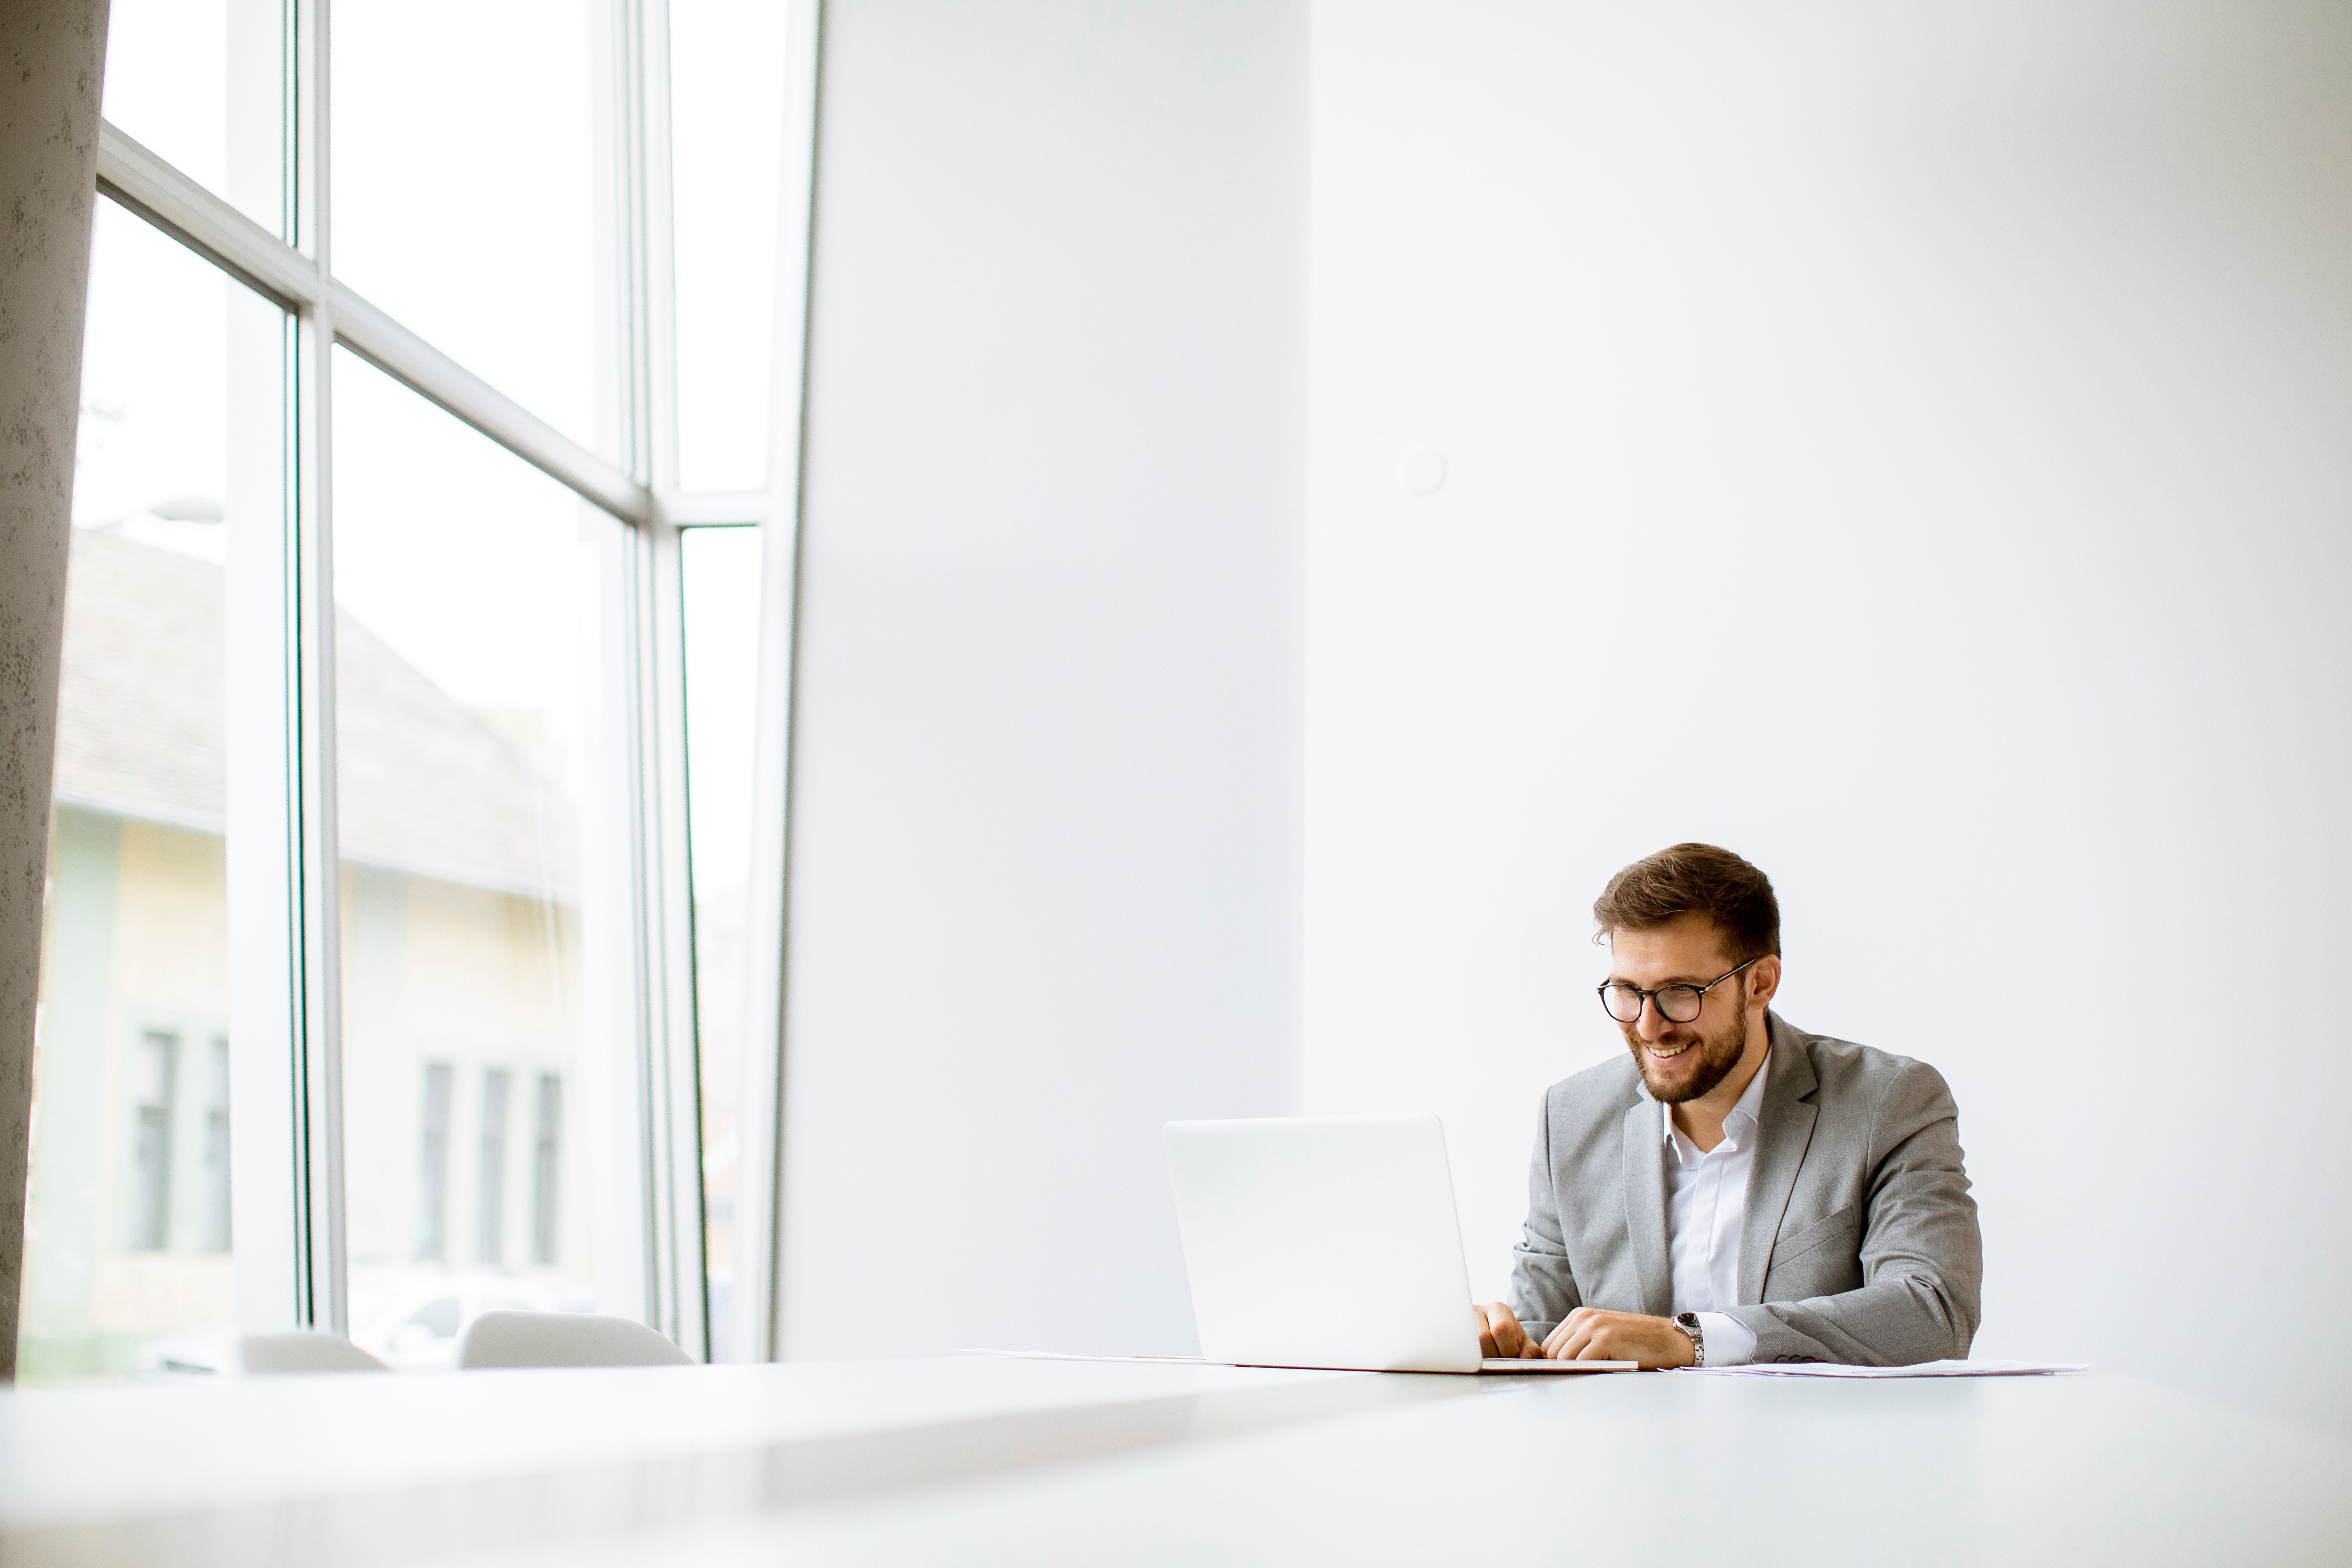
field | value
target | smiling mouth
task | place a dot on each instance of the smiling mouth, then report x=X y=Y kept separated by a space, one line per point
x=1659 y=1054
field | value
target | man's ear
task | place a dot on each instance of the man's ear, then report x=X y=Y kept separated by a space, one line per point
x=1766 y=983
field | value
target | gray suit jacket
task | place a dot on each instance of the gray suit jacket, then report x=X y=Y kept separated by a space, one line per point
x=1859 y=1244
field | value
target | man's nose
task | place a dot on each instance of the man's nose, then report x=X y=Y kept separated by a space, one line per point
x=1655 y=1024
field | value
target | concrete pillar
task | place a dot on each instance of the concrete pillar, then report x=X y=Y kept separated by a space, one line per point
x=52 y=53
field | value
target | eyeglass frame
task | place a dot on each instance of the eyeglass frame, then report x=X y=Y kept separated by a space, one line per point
x=1650 y=998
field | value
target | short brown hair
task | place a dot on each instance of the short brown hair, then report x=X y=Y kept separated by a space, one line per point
x=1695 y=880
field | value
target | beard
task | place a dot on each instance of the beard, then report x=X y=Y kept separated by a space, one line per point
x=1717 y=1053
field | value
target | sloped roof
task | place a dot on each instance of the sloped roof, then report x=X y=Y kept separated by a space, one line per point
x=138 y=706
x=425 y=786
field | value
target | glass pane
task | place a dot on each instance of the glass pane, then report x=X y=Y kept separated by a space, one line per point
x=727 y=119
x=472 y=765
x=720 y=579
x=127 y=1263
x=466 y=146
x=202 y=84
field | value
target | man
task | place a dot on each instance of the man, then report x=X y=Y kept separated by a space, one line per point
x=1739 y=1191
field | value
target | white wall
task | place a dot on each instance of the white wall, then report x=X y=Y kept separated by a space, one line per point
x=1046 y=861
x=1907 y=443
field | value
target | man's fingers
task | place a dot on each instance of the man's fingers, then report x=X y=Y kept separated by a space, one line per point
x=1582 y=1335
x=1590 y=1334
x=1499 y=1334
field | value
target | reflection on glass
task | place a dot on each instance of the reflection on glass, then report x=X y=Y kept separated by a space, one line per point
x=200 y=84
x=720 y=579
x=727 y=119
x=469 y=734
x=127 y=1207
x=437 y=105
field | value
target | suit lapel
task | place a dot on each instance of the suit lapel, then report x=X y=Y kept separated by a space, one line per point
x=1784 y=1131
x=1645 y=1205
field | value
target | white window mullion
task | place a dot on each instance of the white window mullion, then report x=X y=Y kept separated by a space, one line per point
x=649 y=1251
x=261 y=733
x=666 y=893
x=659 y=230
x=759 y=1194
x=322 y=1266
x=666 y=890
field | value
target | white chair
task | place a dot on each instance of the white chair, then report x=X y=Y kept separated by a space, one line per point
x=278 y=1355
x=563 y=1339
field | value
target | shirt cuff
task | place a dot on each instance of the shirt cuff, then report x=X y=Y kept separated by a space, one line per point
x=1729 y=1341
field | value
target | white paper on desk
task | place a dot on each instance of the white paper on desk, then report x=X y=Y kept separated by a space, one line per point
x=1924 y=1369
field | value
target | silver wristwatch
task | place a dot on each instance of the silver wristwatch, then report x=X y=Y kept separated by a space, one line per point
x=1688 y=1324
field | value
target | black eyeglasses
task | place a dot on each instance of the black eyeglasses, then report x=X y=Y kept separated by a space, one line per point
x=1676 y=1003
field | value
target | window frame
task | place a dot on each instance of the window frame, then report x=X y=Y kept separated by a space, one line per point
x=286 y=1193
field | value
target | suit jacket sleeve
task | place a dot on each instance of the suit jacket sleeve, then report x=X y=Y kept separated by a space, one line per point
x=1922 y=1258
x=1543 y=1287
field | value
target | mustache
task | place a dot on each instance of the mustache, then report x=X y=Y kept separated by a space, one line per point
x=1714 y=1055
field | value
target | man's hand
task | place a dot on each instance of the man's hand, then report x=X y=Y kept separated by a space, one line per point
x=1499 y=1334
x=1589 y=1334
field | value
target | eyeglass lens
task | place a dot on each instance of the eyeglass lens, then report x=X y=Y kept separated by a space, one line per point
x=1676 y=1003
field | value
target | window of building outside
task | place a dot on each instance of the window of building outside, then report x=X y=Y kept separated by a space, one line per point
x=432 y=1228
x=127 y=1199
x=547 y=1170
x=218 y=1225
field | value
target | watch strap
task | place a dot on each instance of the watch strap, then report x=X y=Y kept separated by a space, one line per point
x=1688 y=1324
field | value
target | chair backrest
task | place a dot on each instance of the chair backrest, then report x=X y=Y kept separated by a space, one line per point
x=563 y=1338
x=276 y=1355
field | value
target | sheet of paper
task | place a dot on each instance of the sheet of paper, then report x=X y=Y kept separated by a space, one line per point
x=1924 y=1369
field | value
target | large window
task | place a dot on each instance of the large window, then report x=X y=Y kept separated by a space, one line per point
x=395 y=963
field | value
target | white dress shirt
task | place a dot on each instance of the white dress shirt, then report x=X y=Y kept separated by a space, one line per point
x=1707 y=1197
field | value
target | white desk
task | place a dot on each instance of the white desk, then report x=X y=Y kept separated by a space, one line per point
x=984 y=1460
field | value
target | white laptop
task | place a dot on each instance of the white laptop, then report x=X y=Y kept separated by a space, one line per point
x=1330 y=1242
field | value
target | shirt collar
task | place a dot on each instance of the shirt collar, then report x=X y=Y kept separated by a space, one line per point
x=1742 y=1119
